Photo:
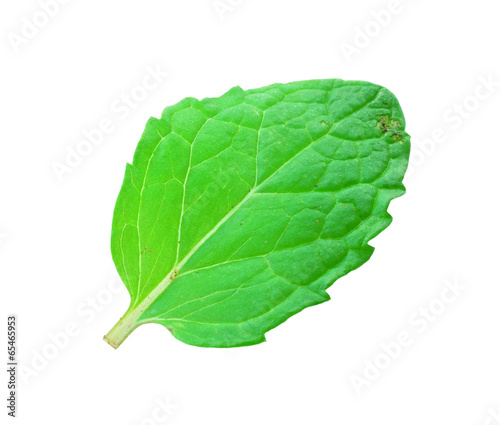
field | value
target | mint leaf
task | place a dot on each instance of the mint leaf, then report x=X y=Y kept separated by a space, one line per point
x=240 y=211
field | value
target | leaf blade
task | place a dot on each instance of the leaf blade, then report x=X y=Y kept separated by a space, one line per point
x=283 y=185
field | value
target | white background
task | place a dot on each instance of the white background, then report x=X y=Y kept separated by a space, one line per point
x=67 y=75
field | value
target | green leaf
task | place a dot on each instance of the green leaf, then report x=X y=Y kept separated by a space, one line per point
x=240 y=211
